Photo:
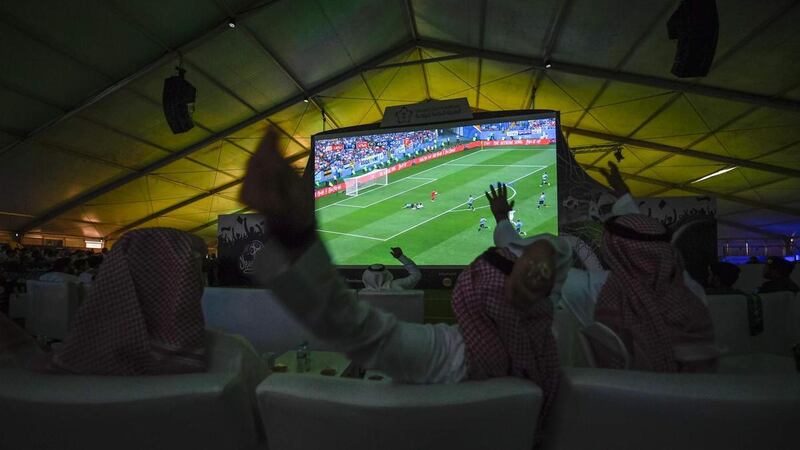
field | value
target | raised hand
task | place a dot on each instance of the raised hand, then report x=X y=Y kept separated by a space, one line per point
x=615 y=180
x=498 y=202
x=273 y=188
x=397 y=252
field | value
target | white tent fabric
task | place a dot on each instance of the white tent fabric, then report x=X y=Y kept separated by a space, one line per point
x=86 y=152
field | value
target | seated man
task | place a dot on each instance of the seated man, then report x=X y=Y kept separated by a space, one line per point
x=645 y=296
x=377 y=278
x=777 y=272
x=59 y=273
x=721 y=278
x=144 y=316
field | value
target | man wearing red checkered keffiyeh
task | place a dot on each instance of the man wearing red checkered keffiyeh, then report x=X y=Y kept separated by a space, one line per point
x=645 y=300
x=505 y=314
x=143 y=315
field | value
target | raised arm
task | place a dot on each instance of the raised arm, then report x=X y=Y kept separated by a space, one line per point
x=414 y=274
x=296 y=266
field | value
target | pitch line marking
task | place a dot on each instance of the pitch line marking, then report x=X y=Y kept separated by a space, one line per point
x=399 y=193
x=349 y=198
x=418 y=173
x=349 y=206
x=385 y=198
x=497 y=165
x=452 y=209
x=352 y=235
x=423 y=222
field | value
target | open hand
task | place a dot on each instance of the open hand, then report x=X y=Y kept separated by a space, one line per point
x=498 y=202
x=615 y=180
x=273 y=188
x=397 y=252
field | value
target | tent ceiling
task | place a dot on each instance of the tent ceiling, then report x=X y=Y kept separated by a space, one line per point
x=86 y=151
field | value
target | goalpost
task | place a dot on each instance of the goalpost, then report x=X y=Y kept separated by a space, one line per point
x=356 y=184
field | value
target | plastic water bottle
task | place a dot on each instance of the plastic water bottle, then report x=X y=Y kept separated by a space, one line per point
x=303 y=363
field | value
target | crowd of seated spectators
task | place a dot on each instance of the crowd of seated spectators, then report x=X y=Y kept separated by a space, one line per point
x=777 y=278
x=326 y=158
x=534 y=125
x=19 y=264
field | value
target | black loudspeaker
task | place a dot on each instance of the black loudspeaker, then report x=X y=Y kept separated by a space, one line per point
x=178 y=102
x=695 y=25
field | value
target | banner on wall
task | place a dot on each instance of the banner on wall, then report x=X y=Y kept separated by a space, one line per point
x=240 y=237
x=677 y=212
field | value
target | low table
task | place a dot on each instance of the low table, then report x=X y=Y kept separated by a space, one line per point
x=319 y=361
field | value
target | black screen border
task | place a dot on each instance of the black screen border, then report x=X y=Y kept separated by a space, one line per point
x=442 y=273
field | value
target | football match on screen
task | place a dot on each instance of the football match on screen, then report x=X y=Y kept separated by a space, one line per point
x=424 y=189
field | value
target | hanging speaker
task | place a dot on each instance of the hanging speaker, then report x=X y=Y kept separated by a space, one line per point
x=695 y=25
x=178 y=102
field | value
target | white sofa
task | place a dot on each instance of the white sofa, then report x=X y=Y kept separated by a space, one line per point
x=731 y=324
x=781 y=323
x=781 y=319
x=566 y=330
x=212 y=410
x=406 y=305
x=622 y=410
x=51 y=307
x=316 y=412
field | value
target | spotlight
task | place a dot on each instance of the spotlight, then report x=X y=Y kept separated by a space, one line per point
x=618 y=155
x=305 y=100
x=695 y=25
x=231 y=22
x=547 y=65
x=177 y=98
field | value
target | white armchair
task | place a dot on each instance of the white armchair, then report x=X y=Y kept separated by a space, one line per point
x=316 y=412
x=210 y=410
x=627 y=410
x=51 y=307
x=406 y=305
x=600 y=343
x=259 y=317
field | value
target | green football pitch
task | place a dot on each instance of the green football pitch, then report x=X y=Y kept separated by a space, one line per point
x=359 y=230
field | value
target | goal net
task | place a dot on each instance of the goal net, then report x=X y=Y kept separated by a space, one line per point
x=353 y=186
